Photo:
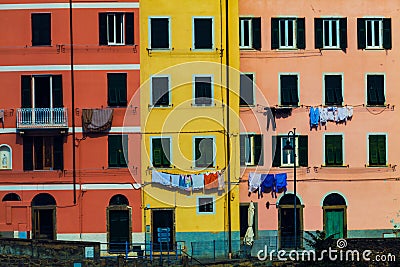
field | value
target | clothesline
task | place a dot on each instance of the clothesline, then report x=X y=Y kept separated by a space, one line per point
x=323 y=105
x=267 y=183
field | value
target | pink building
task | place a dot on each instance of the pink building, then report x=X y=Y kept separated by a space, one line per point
x=339 y=56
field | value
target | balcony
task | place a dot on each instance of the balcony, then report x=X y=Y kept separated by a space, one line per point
x=42 y=118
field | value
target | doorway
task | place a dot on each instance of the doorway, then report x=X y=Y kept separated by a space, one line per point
x=119 y=224
x=286 y=222
x=163 y=231
x=44 y=217
x=335 y=217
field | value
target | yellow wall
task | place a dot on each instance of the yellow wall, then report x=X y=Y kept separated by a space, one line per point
x=182 y=121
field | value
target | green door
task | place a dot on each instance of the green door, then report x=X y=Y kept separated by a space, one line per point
x=334 y=222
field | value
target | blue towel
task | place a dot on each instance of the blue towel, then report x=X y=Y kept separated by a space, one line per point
x=314 y=117
x=268 y=183
x=281 y=181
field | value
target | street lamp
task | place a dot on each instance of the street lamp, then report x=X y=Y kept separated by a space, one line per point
x=288 y=147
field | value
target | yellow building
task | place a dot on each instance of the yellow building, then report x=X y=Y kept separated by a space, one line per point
x=184 y=122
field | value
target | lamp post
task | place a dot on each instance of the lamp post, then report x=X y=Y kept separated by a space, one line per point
x=288 y=147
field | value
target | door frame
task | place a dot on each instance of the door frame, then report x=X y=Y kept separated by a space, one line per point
x=255 y=223
x=337 y=207
x=173 y=223
x=300 y=227
x=118 y=207
x=50 y=207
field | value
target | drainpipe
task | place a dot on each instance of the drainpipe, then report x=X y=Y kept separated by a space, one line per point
x=71 y=40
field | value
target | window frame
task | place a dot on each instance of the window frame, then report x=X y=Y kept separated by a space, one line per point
x=169 y=33
x=252 y=148
x=124 y=151
x=194 y=151
x=32 y=30
x=386 y=148
x=211 y=76
x=253 y=88
x=366 y=88
x=198 y=212
x=280 y=89
x=324 y=87
x=168 y=76
x=380 y=45
x=212 y=34
x=331 y=20
x=119 y=104
x=324 y=149
x=170 y=151
x=242 y=35
x=53 y=144
x=114 y=14
x=283 y=143
x=294 y=31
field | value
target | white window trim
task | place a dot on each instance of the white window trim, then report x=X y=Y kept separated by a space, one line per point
x=252 y=134
x=287 y=19
x=151 y=150
x=297 y=150
x=323 y=84
x=242 y=35
x=366 y=85
x=169 y=32
x=386 y=147
x=254 y=91
x=10 y=151
x=343 y=147
x=279 y=86
x=115 y=32
x=212 y=33
x=331 y=20
x=380 y=45
x=198 y=205
x=169 y=91
x=194 y=151
x=194 y=89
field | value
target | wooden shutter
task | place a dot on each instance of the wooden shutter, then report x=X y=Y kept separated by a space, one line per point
x=258 y=150
x=256 y=26
x=165 y=152
x=289 y=90
x=116 y=89
x=129 y=29
x=276 y=151
x=381 y=146
x=103 y=29
x=58 y=153
x=303 y=150
x=338 y=89
x=373 y=150
x=57 y=91
x=113 y=146
x=203 y=33
x=301 y=33
x=329 y=150
x=243 y=149
x=318 y=33
x=329 y=90
x=361 y=37
x=26 y=91
x=343 y=33
x=387 y=33
x=123 y=151
x=339 y=150
x=197 y=141
x=35 y=23
x=45 y=30
x=28 y=153
x=246 y=90
x=156 y=147
x=274 y=33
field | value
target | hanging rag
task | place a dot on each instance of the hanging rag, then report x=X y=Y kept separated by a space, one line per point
x=332 y=113
x=268 y=183
x=198 y=181
x=323 y=115
x=175 y=180
x=341 y=114
x=314 y=117
x=161 y=178
x=188 y=182
x=281 y=181
x=211 y=180
x=349 y=112
x=181 y=181
x=97 y=120
x=271 y=114
x=221 y=181
x=254 y=181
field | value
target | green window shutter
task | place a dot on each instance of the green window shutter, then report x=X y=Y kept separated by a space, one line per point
x=329 y=150
x=103 y=29
x=361 y=39
x=301 y=33
x=387 y=33
x=329 y=90
x=289 y=91
x=121 y=88
x=294 y=90
x=156 y=147
x=123 y=151
x=343 y=33
x=129 y=28
x=381 y=140
x=338 y=90
x=242 y=149
x=373 y=150
x=114 y=142
x=58 y=153
x=274 y=33
x=303 y=150
x=28 y=153
x=26 y=91
x=117 y=89
x=165 y=152
x=197 y=151
x=258 y=150
x=256 y=25
x=339 y=150
x=57 y=91
x=276 y=151
x=318 y=33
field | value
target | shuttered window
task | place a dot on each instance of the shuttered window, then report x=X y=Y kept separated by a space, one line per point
x=250 y=33
x=43 y=153
x=203 y=91
x=283 y=158
x=159 y=33
x=39 y=82
x=251 y=149
x=333 y=90
x=160 y=91
x=116 y=28
x=330 y=33
x=117 y=89
x=117 y=150
x=334 y=150
x=204 y=152
x=289 y=90
x=246 y=89
x=376 y=90
x=377 y=150
x=203 y=33
x=41 y=29
x=161 y=152
x=374 y=33
x=288 y=33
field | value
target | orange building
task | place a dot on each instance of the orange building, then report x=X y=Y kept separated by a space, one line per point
x=64 y=99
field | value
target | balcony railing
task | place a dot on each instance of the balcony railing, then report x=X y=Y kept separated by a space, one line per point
x=42 y=118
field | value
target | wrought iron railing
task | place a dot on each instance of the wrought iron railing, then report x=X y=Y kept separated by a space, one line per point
x=42 y=118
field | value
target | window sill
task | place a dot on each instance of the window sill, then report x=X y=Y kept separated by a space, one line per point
x=113 y=168
x=248 y=49
x=247 y=106
x=287 y=48
x=333 y=105
x=289 y=106
x=204 y=105
x=376 y=166
x=331 y=48
x=159 y=49
x=335 y=166
x=161 y=106
x=374 y=48
x=122 y=106
x=375 y=106
x=202 y=49
x=41 y=46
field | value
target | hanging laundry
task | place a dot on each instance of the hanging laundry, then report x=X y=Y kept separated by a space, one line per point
x=211 y=180
x=323 y=115
x=271 y=114
x=188 y=182
x=268 y=183
x=314 y=117
x=349 y=112
x=254 y=181
x=198 y=181
x=281 y=182
x=221 y=181
x=161 y=178
x=332 y=113
x=175 y=180
x=341 y=114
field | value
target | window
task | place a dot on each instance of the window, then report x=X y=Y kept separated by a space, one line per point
x=47 y=91
x=283 y=158
x=333 y=89
x=250 y=33
x=43 y=153
x=161 y=152
x=289 y=90
x=116 y=29
x=41 y=29
x=333 y=150
x=377 y=150
x=331 y=33
x=251 y=149
x=160 y=95
x=375 y=89
x=203 y=33
x=159 y=33
x=204 y=152
x=247 y=89
x=203 y=90
x=205 y=205
x=117 y=151
x=374 y=33
x=116 y=89
x=288 y=33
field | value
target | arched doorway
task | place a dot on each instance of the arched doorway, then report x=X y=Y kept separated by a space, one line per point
x=286 y=221
x=119 y=223
x=335 y=217
x=44 y=217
